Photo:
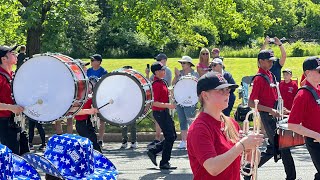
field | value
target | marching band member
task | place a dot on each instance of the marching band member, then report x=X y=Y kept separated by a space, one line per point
x=214 y=144
x=162 y=58
x=203 y=65
x=267 y=97
x=304 y=117
x=9 y=130
x=160 y=111
x=185 y=114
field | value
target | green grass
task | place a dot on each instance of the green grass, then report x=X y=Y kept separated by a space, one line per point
x=238 y=67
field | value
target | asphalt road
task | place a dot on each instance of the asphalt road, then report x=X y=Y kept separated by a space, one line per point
x=134 y=164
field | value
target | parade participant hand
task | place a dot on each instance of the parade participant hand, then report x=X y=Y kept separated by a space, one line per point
x=275 y=113
x=147 y=71
x=16 y=109
x=171 y=106
x=277 y=41
x=267 y=40
x=93 y=111
x=286 y=111
x=177 y=72
x=252 y=141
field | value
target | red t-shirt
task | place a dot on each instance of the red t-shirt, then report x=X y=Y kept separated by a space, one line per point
x=206 y=140
x=305 y=110
x=262 y=91
x=160 y=93
x=5 y=93
x=87 y=105
x=288 y=91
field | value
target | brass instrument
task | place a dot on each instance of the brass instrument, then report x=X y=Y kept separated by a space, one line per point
x=254 y=160
x=280 y=108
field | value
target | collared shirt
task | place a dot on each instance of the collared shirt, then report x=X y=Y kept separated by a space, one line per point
x=288 y=91
x=5 y=92
x=305 y=110
x=160 y=93
x=262 y=91
x=206 y=140
x=83 y=117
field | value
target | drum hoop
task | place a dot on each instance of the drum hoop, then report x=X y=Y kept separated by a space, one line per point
x=94 y=100
x=182 y=78
x=75 y=84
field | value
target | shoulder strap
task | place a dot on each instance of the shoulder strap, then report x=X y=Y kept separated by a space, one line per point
x=6 y=76
x=312 y=91
x=265 y=77
x=162 y=80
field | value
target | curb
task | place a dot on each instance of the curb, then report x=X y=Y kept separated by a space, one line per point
x=114 y=137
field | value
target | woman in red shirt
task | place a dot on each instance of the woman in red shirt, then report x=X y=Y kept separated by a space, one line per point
x=214 y=145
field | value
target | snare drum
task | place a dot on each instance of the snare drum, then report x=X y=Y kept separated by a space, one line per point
x=287 y=138
x=185 y=91
x=50 y=87
x=130 y=93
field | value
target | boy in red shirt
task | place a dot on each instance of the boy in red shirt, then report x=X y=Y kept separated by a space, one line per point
x=267 y=97
x=160 y=111
x=288 y=89
x=84 y=125
x=305 y=112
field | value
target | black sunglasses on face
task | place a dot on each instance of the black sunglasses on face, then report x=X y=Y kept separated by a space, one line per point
x=205 y=53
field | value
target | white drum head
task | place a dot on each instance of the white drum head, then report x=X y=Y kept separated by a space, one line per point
x=127 y=98
x=185 y=92
x=45 y=87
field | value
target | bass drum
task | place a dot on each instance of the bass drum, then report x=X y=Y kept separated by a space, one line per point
x=185 y=91
x=50 y=87
x=122 y=97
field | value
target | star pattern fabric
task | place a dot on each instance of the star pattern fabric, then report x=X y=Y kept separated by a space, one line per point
x=72 y=157
x=14 y=167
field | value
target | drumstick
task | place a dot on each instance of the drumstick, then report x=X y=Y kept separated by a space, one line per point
x=110 y=102
x=39 y=101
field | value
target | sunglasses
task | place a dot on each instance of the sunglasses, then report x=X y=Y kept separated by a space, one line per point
x=224 y=91
x=183 y=62
x=205 y=53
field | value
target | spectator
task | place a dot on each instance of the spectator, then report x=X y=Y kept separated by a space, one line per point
x=203 y=65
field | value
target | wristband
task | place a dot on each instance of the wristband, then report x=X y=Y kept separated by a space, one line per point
x=244 y=148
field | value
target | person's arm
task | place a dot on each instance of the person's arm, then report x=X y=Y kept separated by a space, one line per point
x=265 y=43
x=11 y=107
x=216 y=165
x=87 y=111
x=282 y=50
x=163 y=105
x=298 y=128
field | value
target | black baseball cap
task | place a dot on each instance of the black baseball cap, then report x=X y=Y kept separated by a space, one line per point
x=266 y=55
x=82 y=63
x=157 y=66
x=161 y=56
x=213 y=80
x=5 y=49
x=97 y=57
x=311 y=63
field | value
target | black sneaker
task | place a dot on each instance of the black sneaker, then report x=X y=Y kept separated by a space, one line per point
x=100 y=142
x=42 y=147
x=152 y=144
x=152 y=157
x=167 y=166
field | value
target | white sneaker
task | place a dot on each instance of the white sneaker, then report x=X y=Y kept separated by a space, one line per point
x=124 y=145
x=182 y=145
x=134 y=145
